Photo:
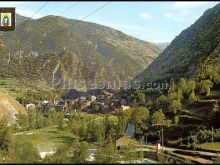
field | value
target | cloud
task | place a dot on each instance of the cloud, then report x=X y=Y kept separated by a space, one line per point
x=187 y=5
x=179 y=16
x=180 y=11
x=146 y=16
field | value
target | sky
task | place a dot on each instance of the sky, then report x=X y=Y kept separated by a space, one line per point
x=149 y=21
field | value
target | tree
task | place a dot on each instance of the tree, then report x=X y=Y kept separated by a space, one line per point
x=61 y=121
x=141 y=97
x=191 y=84
x=140 y=118
x=214 y=115
x=31 y=119
x=39 y=120
x=122 y=123
x=82 y=153
x=101 y=133
x=74 y=125
x=172 y=96
x=208 y=91
x=216 y=75
x=205 y=86
x=180 y=94
x=25 y=152
x=109 y=125
x=49 y=119
x=106 y=155
x=61 y=155
x=21 y=122
x=90 y=131
x=96 y=132
x=140 y=115
x=182 y=85
x=162 y=99
x=215 y=108
x=175 y=105
x=5 y=135
x=83 y=131
x=54 y=116
x=158 y=118
x=69 y=105
x=126 y=113
x=110 y=151
x=161 y=102
x=192 y=98
x=176 y=120
x=109 y=135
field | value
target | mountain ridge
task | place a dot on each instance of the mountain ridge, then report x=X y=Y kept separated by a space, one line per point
x=102 y=51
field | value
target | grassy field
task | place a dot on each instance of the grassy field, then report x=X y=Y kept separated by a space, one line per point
x=97 y=117
x=50 y=136
x=215 y=146
x=46 y=138
x=13 y=87
x=24 y=90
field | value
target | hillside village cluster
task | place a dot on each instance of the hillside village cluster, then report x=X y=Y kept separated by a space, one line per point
x=102 y=102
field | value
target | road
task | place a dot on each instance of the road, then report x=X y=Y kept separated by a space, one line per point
x=173 y=149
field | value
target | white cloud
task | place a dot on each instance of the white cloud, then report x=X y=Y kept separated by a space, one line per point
x=180 y=11
x=146 y=15
x=179 y=16
x=187 y=5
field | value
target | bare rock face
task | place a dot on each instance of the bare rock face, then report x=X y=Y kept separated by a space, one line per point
x=9 y=107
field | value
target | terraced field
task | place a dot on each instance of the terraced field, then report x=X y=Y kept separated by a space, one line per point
x=22 y=90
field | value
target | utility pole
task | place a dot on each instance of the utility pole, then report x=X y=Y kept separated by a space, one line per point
x=194 y=140
x=159 y=136
x=212 y=138
x=162 y=139
x=146 y=140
